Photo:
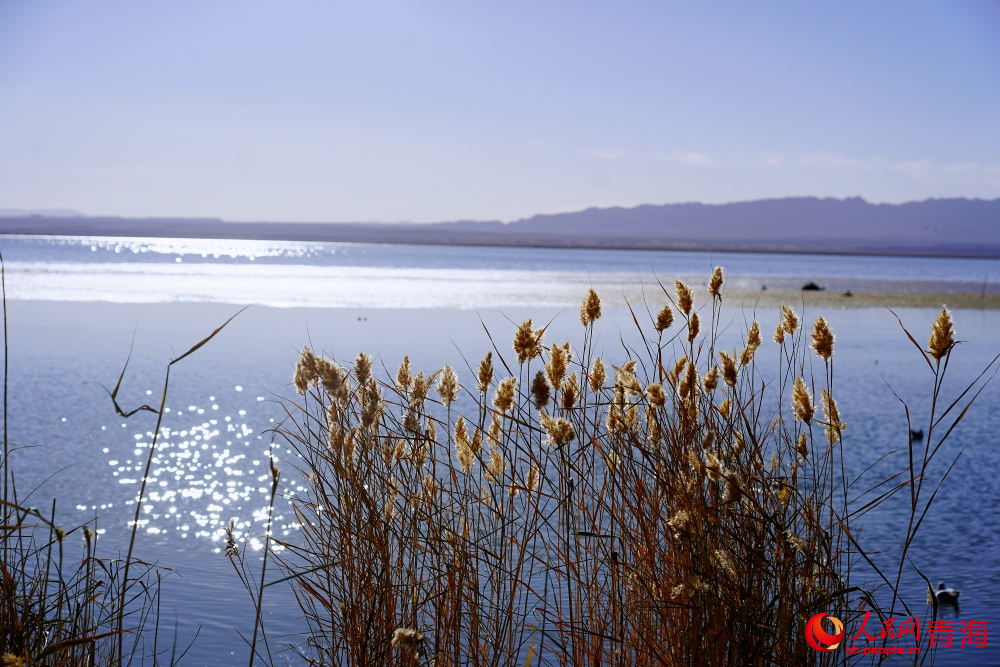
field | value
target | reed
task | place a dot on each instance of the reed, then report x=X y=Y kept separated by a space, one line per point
x=60 y=602
x=655 y=516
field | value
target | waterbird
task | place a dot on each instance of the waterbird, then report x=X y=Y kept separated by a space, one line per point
x=917 y=435
x=946 y=595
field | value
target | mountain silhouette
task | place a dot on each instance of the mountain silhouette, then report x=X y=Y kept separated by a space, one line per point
x=961 y=227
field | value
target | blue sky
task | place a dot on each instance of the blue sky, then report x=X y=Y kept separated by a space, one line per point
x=325 y=111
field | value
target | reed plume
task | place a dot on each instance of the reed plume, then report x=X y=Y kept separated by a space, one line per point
x=694 y=327
x=664 y=319
x=448 y=386
x=590 y=311
x=503 y=399
x=685 y=297
x=942 y=335
x=715 y=283
x=540 y=390
x=822 y=339
x=403 y=376
x=527 y=342
x=802 y=404
x=485 y=374
x=597 y=376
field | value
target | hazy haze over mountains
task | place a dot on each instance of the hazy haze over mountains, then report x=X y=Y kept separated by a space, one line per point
x=802 y=224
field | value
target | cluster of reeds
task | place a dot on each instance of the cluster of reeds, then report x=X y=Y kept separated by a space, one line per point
x=61 y=604
x=675 y=506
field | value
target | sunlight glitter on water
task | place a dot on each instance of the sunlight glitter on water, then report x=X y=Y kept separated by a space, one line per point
x=205 y=471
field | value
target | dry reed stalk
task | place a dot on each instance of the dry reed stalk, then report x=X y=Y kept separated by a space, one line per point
x=664 y=518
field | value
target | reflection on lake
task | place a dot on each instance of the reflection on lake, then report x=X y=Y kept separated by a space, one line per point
x=213 y=446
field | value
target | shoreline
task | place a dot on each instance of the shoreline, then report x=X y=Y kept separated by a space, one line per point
x=734 y=298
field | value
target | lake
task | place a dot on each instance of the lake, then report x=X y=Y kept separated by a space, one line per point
x=77 y=304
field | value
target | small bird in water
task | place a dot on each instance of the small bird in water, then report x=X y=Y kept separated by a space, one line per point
x=917 y=435
x=946 y=595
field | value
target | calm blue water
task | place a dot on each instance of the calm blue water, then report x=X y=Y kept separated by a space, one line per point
x=74 y=311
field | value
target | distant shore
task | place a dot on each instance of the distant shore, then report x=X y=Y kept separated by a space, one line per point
x=805 y=225
x=813 y=299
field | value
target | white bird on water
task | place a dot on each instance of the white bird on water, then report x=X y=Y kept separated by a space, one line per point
x=946 y=595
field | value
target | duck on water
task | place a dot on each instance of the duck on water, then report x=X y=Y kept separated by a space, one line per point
x=946 y=595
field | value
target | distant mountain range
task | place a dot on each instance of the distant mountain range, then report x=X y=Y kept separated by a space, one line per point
x=956 y=227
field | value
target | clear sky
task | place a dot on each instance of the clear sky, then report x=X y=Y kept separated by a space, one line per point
x=316 y=110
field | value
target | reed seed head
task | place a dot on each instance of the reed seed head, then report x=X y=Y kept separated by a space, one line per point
x=411 y=421
x=802 y=404
x=495 y=431
x=715 y=283
x=612 y=461
x=533 y=477
x=418 y=390
x=590 y=311
x=559 y=430
x=527 y=342
x=822 y=339
x=664 y=319
x=496 y=466
x=833 y=426
x=598 y=375
x=408 y=640
x=570 y=391
x=559 y=358
x=679 y=521
x=335 y=440
x=626 y=379
x=362 y=368
x=687 y=386
x=656 y=395
x=734 y=490
x=350 y=443
x=738 y=444
x=540 y=390
x=789 y=320
x=333 y=377
x=942 y=335
x=796 y=541
x=694 y=326
x=463 y=446
x=711 y=379
x=729 y=370
x=485 y=375
x=403 y=376
x=753 y=342
x=779 y=333
x=802 y=445
x=685 y=297
x=503 y=399
x=232 y=550
x=724 y=408
x=707 y=440
x=305 y=370
x=448 y=386
x=713 y=466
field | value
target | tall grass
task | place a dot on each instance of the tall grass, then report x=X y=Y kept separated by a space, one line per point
x=680 y=504
x=62 y=604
